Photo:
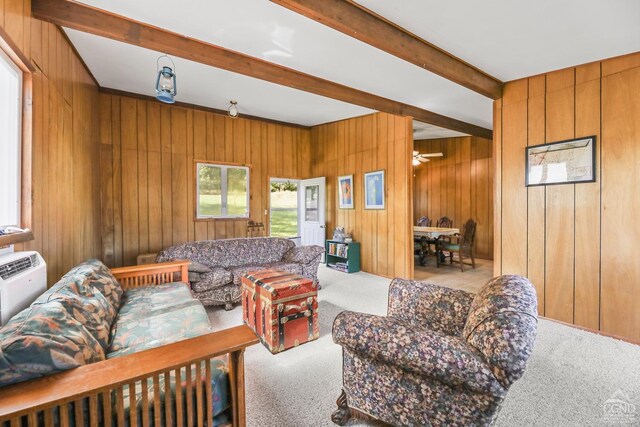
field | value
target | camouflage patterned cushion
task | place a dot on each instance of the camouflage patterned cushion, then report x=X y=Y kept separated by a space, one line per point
x=95 y=274
x=152 y=316
x=90 y=308
x=44 y=339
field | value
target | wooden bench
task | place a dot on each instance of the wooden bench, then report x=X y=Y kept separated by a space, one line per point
x=47 y=398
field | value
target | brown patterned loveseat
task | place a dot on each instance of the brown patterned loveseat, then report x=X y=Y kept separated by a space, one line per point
x=217 y=266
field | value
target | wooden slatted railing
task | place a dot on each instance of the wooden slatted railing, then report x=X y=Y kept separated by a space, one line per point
x=84 y=396
x=95 y=394
x=152 y=274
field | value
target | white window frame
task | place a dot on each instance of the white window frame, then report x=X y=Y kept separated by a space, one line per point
x=223 y=184
x=18 y=158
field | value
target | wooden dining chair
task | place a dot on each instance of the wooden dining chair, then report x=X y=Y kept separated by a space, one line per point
x=424 y=222
x=444 y=222
x=460 y=243
x=420 y=244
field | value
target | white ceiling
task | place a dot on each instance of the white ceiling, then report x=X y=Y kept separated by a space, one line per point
x=507 y=38
x=427 y=131
x=133 y=69
x=512 y=39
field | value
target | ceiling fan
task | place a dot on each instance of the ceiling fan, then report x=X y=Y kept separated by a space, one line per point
x=423 y=158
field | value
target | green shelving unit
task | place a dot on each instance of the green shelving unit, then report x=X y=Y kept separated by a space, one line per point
x=343 y=256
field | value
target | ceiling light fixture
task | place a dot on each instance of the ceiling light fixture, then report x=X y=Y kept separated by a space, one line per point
x=233 y=109
x=166 y=88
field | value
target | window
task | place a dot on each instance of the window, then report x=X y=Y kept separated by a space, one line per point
x=222 y=191
x=10 y=141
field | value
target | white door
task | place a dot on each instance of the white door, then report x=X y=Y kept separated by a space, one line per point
x=312 y=211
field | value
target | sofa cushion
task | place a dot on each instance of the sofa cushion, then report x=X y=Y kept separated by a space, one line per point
x=152 y=316
x=303 y=254
x=502 y=325
x=44 y=339
x=219 y=296
x=241 y=270
x=230 y=252
x=216 y=278
x=95 y=274
x=85 y=305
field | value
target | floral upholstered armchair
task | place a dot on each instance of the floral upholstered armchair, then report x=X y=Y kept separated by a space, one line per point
x=441 y=357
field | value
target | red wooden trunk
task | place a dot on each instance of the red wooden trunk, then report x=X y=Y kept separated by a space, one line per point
x=281 y=308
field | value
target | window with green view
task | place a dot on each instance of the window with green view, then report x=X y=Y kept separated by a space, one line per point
x=222 y=191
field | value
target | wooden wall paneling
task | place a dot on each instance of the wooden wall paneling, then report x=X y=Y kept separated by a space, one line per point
x=157 y=146
x=63 y=208
x=190 y=175
x=514 y=233
x=66 y=218
x=497 y=187
x=357 y=146
x=117 y=181
x=368 y=164
x=154 y=177
x=560 y=203
x=391 y=195
x=587 y=202
x=399 y=186
x=382 y=224
x=179 y=175
x=620 y=276
x=456 y=185
x=199 y=153
x=589 y=225
x=129 y=173
x=167 y=175
x=37 y=181
x=143 y=177
x=536 y=196
x=14 y=21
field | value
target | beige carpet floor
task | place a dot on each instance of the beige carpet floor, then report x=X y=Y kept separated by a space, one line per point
x=572 y=378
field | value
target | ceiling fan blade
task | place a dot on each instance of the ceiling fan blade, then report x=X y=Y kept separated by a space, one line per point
x=432 y=155
x=415 y=153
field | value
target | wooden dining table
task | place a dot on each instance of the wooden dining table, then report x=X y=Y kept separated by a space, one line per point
x=431 y=233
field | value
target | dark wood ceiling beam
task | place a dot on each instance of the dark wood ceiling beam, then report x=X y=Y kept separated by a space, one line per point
x=364 y=25
x=95 y=21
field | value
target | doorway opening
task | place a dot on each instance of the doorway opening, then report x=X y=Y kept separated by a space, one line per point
x=283 y=206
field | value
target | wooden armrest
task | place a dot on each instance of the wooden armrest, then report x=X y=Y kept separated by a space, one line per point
x=152 y=274
x=58 y=389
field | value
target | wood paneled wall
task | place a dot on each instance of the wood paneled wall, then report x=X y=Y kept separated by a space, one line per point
x=576 y=242
x=65 y=170
x=458 y=185
x=364 y=144
x=147 y=178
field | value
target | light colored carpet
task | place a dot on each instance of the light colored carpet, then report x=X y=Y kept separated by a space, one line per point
x=570 y=376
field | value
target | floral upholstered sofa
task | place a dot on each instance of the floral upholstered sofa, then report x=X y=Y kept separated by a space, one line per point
x=217 y=266
x=107 y=335
x=441 y=357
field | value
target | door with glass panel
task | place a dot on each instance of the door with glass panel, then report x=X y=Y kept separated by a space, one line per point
x=312 y=211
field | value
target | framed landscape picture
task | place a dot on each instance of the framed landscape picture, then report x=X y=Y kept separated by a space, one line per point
x=345 y=191
x=562 y=162
x=374 y=190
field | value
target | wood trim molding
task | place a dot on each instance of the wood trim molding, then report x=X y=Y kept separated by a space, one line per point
x=362 y=24
x=12 y=239
x=197 y=107
x=105 y=24
x=593 y=331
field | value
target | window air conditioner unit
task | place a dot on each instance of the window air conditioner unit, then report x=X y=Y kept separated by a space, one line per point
x=23 y=277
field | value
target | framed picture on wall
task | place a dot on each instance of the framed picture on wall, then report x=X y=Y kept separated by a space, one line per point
x=345 y=191
x=374 y=190
x=562 y=162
